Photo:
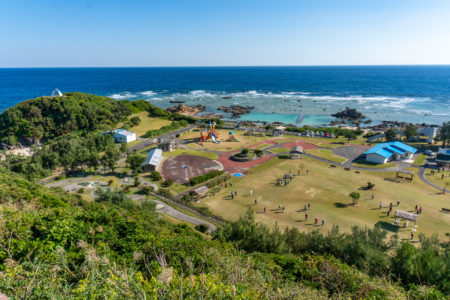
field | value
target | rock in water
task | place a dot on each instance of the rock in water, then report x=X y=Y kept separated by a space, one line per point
x=349 y=114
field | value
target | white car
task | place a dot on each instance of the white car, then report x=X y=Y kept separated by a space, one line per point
x=429 y=152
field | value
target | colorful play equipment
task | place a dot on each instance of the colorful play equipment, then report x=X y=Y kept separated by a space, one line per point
x=232 y=136
x=209 y=133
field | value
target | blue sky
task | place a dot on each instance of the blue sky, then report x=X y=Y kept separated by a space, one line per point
x=58 y=33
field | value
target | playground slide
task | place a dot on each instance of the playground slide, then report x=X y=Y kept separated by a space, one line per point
x=213 y=137
x=236 y=140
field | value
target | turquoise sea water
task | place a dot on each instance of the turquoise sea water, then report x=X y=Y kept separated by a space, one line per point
x=397 y=93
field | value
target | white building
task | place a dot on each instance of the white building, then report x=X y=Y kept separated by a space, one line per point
x=124 y=136
x=429 y=132
x=152 y=161
x=384 y=152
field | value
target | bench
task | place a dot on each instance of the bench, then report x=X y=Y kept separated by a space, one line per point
x=347 y=169
x=447 y=210
x=332 y=166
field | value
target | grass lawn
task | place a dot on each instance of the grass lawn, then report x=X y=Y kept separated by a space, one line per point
x=279 y=150
x=193 y=138
x=437 y=178
x=420 y=159
x=205 y=154
x=147 y=123
x=327 y=154
x=328 y=145
x=365 y=164
x=327 y=190
x=262 y=146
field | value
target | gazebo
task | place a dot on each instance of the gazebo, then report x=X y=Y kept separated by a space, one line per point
x=296 y=152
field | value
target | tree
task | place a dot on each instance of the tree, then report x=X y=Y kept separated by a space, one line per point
x=444 y=133
x=390 y=135
x=410 y=131
x=350 y=135
x=135 y=121
x=111 y=156
x=135 y=162
x=355 y=197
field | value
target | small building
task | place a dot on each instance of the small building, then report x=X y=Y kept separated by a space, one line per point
x=124 y=136
x=166 y=146
x=201 y=191
x=296 y=152
x=443 y=157
x=152 y=161
x=278 y=131
x=429 y=132
x=384 y=152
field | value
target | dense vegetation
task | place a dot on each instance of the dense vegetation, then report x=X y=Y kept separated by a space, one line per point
x=54 y=245
x=71 y=152
x=49 y=117
x=366 y=249
x=165 y=129
x=205 y=177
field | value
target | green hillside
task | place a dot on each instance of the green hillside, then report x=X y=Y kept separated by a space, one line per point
x=49 y=117
x=56 y=246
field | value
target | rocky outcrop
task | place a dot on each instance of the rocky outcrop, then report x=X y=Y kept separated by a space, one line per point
x=236 y=110
x=349 y=114
x=186 y=110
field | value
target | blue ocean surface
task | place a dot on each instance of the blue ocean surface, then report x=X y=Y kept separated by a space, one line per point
x=398 y=93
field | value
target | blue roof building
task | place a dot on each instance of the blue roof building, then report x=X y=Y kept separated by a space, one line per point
x=385 y=152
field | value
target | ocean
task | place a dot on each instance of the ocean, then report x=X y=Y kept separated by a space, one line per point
x=418 y=94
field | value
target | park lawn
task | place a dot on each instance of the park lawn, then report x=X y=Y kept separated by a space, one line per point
x=365 y=164
x=420 y=159
x=178 y=188
x=192 y=138
x=327 y=154
x=437 y=178
x=279 y=150
x=328 y=145
x=327 y=190
x=200 y=153
x=147 y=123
x=262 y=146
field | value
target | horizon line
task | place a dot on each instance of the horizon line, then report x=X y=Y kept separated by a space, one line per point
x=224 y=66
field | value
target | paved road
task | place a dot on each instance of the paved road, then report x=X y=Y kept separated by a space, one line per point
x=168 y=210
x=149 y=142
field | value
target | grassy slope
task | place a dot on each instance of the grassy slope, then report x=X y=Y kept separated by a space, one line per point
x=147 y=123
x=437 y=178
x=79 y=250
x=327 y=190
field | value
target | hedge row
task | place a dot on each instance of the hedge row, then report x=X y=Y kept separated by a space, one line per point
x=205 y=177
x=165 y=129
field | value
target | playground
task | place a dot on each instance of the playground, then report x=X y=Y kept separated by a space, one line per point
x=327 y=190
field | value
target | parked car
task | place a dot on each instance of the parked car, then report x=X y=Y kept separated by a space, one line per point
x=429 y=152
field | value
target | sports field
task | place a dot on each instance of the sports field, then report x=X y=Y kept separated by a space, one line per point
x=327 y=190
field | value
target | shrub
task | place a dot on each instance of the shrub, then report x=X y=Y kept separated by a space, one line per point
x=370 y=185
x=202 y=227
x=110 y=182
x=147 y=189
x=168 y=182
x=137 y=182
x=81 y=191
x=202 y=178
x=245 y=151
x=155 y=176
x=112 y=196
x=355 y=197
x=165 y=193
x=259 y=152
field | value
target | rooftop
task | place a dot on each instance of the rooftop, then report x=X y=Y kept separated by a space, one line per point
x=153 y=157
x=124 y=132
x=389 y=148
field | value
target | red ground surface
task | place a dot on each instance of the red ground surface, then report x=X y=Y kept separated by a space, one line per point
x=305 y=145
x=173 y=167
